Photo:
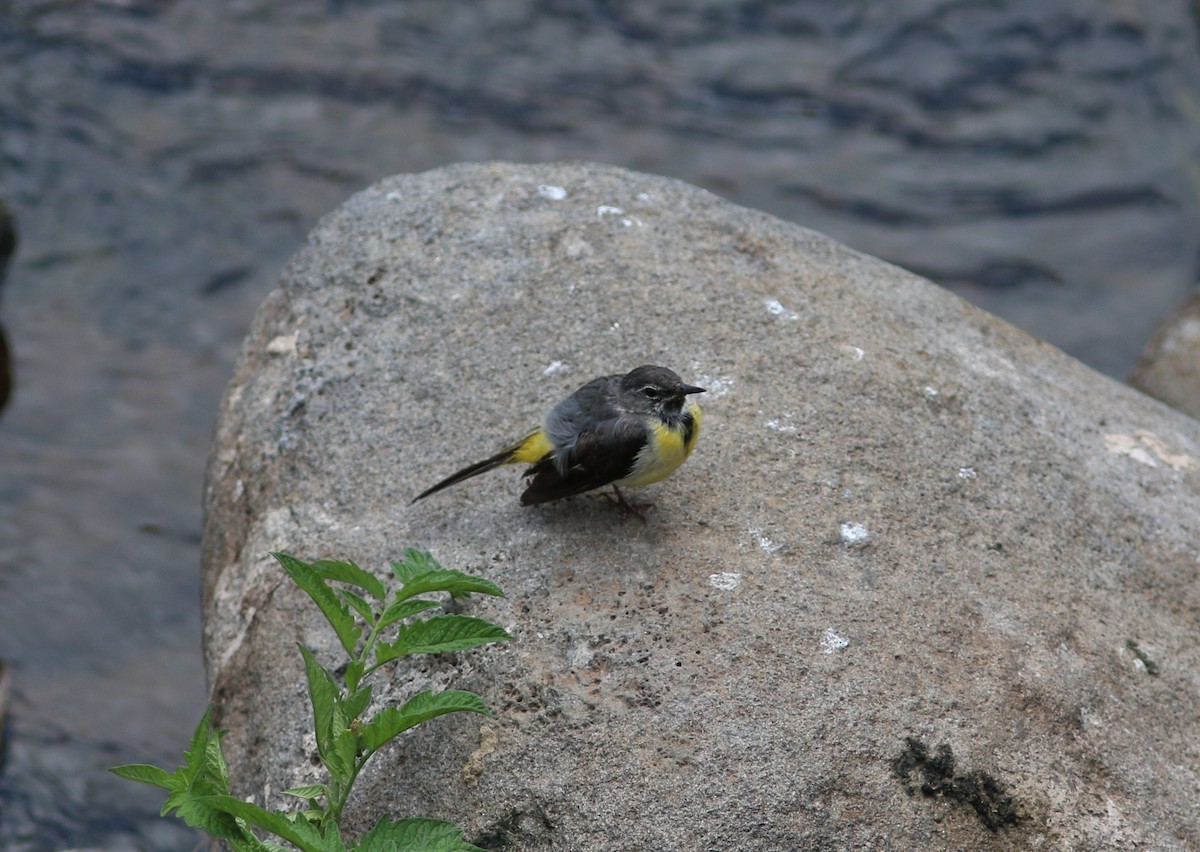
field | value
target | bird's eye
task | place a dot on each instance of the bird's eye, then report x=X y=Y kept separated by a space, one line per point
x=651 y=392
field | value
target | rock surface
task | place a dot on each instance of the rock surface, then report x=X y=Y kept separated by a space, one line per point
x=1169 y=368
x=925 y=583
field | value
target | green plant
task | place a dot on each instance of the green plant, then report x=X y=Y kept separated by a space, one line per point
x=362 y=612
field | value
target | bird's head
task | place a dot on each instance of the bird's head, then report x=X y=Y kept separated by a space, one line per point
x=655 y=390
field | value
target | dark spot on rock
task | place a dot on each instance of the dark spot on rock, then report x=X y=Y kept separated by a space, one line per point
x=515 y=829
x=936 y=776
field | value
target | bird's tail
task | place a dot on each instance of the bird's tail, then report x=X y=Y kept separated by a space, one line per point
x=529 y=450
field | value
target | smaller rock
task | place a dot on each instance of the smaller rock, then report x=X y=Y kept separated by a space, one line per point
x=1169 y=367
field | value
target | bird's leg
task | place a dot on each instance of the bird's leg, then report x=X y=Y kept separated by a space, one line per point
x=628 y=508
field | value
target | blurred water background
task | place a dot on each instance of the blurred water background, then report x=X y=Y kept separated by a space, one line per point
x=163 y=159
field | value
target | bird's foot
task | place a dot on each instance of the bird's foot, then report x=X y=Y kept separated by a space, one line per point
x=627 y=508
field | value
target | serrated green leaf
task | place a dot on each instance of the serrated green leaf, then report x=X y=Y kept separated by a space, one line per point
x=291 y=827
x=173 y=801
x=360 y=605
x=415 y=562
x=354 y=674
x=195 y=754
x=447 y=580
x=414 y=835
x=401 y=610
x=202 y=733
x=440 y=634
x=324 y=694
x=356 y=703
x=204 y=769
x=422 y=707
x=216 y=770
x=419 y=572
x=333 y=837
x=313 y=583
x=322 y=689
x=348 y=572
x=251 y=843
x=144 y=773
x=199 y=813
x=346 y=744
x=308 y=791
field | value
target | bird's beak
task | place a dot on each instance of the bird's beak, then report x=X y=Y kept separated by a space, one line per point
x=687 y=389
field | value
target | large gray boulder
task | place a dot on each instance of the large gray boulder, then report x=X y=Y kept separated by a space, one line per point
x=926 y=582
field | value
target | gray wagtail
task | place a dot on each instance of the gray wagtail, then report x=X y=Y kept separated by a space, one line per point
x=625 y=430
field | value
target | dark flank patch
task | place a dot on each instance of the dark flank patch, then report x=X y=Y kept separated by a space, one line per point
x=689 y=427
x=936 y=777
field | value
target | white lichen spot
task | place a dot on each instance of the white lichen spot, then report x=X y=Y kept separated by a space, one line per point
x=284 y=344
x=1148 y=448
x=765 y=543
x=645 y=196
x=554 y=193
x=967 y=473
x=1175 y=461
x=631 y=222
x=608 y=210
x=578 y=248
x=554 y=367
x=394 y=195
x=855 y=352
x=783 y=424
x=616 y=326
x=775 y=308
x=854 y=534
x=930 y=391
x=726 y=581
x=1127 y=445
x=715 y=387
x=831 y=641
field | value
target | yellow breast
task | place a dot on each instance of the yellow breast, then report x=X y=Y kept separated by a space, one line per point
x=666 y=450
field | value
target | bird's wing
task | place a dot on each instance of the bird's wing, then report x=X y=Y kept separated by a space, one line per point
x=602 y=454
x=588 y=408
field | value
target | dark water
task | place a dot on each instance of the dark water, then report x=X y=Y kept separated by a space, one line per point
x=164 y=159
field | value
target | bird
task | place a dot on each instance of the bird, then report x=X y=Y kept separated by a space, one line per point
x=620 y=430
